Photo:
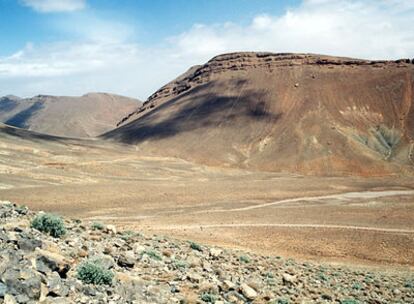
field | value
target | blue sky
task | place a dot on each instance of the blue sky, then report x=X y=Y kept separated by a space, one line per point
x=152 y=21
x=132 y=47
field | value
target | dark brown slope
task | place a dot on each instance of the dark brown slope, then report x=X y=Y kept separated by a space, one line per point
x=301 y=113
x=85 y=116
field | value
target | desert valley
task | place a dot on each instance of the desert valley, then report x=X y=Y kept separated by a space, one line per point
x=307 y=158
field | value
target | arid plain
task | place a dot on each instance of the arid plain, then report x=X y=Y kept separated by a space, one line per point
x=363 y=221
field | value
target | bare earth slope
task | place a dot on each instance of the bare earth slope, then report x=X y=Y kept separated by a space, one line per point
x=303 y=113
x=85 y=116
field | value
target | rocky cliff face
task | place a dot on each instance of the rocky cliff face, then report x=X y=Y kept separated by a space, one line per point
x=200 y=74
x=95 y=263
x=299 y=113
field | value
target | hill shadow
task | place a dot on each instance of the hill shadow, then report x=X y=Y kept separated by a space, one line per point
x=197 y=108
x=20 y=119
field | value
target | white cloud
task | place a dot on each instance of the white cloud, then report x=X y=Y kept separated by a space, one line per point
x=366 y=29
x=48 y=6
x=105 y=56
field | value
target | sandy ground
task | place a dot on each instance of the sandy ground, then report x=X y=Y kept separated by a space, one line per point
x=340 y=220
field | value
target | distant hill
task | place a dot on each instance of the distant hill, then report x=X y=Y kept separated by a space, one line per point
x=85 y=116
x=302 y=113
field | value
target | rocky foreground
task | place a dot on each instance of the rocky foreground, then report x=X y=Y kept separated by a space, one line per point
x=94 y=263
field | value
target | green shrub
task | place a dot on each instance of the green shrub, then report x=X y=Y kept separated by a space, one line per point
x=208 y=298
x=195 y=246
x=357 y=286
x=92 y=272
x=97 y=226
x=128 y=234
x=244 y=259
x=153 y=254
x=409 y=284
x=180 y=264
x=50 y=224
x=349 y=301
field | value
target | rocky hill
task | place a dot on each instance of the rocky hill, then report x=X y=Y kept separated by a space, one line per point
x=85 y=116
x=45 y=259
x=305 y=113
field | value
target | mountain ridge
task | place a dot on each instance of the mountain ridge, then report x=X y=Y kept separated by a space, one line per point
x=71 y=116
x=301 y=113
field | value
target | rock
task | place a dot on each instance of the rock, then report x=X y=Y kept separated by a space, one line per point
x=127 y=259
x=9 y=299
x=47 y=262
x=194 y=277
x=27 y=244
x=215 y=252
x=193 y=261
x=22 y=283
x=110 y=229
x=396 y=292
x=3 y=289
x=55 y=286
x=248 y=292
x=228 y=285
x=288 y=279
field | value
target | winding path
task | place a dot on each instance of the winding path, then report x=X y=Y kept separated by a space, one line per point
x=340 y=196
x=318 y=226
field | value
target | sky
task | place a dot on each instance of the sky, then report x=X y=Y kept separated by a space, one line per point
x=133 y=47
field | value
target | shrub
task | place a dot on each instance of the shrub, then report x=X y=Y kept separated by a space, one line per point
x=281 y=301
x=244 y=259
x=409 y=284
x=180 y=264
x=97 y=226
x=208 y=298
x=153 y=254
x=195 y=246
x=92 y=272
x=349 y=301
x=357 y=286
x=50 y=224
x=127 y=235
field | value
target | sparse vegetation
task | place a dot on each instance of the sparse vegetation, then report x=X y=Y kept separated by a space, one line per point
x=49 y=224
x=349 y=301
x=208 y=298
x=381 y=139
x=280 y=301
x=180 y=264
x=244 y=259
x=323 y=277
x=357 y=286
x=21 y=209
x=409 y=284
x=97 y=226
x=126 y=235
x=153 y=254
x=196 y=246
x=92 y=272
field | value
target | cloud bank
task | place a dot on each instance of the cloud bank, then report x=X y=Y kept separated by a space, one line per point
x=371 y=29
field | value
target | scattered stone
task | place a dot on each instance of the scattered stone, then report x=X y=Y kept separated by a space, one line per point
x=127 y=259
x=248 y=292
x=288 y=279
x=35 y=268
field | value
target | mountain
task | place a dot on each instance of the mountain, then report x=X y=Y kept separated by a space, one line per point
x=300 y=113
x=85 y=116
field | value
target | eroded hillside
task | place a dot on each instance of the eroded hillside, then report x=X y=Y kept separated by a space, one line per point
x=283 y=112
